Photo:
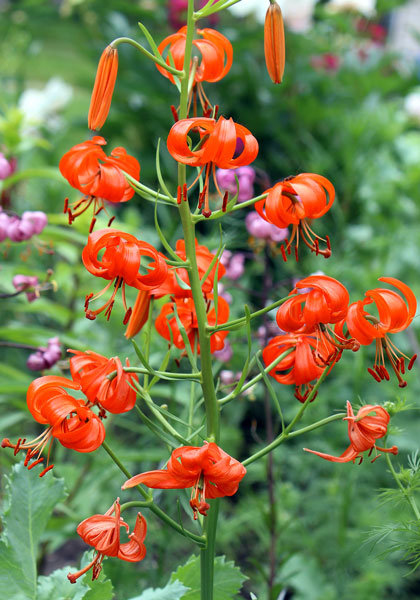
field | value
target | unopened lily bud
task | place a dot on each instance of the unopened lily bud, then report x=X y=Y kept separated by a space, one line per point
x=103 y=89
x=274 y=49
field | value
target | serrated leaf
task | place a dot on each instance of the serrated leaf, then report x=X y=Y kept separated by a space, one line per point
x=57 y=587
x=228 y=579
x=174 y=590
x=29 y=501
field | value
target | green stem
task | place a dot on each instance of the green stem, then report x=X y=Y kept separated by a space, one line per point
x=218 y=214
x=199 y=539
x=255 y=379
x=207 y=383
x=162 y=63
x=242 y=320
x=287 y=433
x=404 y=490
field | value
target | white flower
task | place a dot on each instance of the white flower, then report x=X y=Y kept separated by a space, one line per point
x=412 y=104
x=366 y=7
x=38 y=106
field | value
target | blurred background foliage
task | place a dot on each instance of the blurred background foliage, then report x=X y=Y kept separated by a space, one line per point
x=341 y=112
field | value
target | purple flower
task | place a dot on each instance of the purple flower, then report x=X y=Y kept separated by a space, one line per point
x=6 y=168
x=4 y=224
x=177 y=13
x=37 y=218
x=19 y=230
x=261 y=229
x=234 y=264
x=45 y=358
x=26 y=282
x=227 y=182
x=229 y=377
x=225 y=354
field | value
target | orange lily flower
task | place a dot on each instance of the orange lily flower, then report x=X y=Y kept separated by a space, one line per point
x=305 y=364
x=217 y=148
x=167 y=326
x=214 y=63
x=69 y=420
x=171 y=286
x=274 y=50
x=90 y=370
x=370 y=424
x=103 y=533
x=294 y=201
x=98 y=176
x=103 y=88
x=209 y=471
x=326 y=303
x=394 y=314
x=120 y=264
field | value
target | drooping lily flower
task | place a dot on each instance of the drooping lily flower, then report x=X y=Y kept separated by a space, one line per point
x=324 y=304
x=90 y=370
x=394 y=314
x=68 y=419
x=103 y=88
x=370 y=424
x=167 y=326
x=212 y=64
x=121 y=263
x=103 y=533
x=172 y=286
x=305 y=364
x=294 y=201
x=99 y=177
x=274 y=49
x=217 y=148
x=209 y=471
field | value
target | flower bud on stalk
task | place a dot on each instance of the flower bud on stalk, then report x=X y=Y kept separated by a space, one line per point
x=274 y=49
x=103 y=89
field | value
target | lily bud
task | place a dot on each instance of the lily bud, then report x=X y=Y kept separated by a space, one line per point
x=103 y=89
x=274 y=49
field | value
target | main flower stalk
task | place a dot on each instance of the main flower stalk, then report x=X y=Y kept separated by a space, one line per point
x=209 y=392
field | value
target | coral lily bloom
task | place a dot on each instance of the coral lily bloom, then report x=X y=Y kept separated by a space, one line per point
x=274 y=49
x=212 y=64
x=217 y=148
x=209 y=471
x=120 y=263
x=69 y=420
x=103 y=533
x=325 y=303
x=294 y=201
x=103 y=89
x=167 y=326
x=90 y=370
x=394 y=314
x=302 y=366
x=370 y=424
x=99 y=177
x=172 y=287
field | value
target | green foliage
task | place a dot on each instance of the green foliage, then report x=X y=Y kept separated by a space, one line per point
x=228 y=578
x=174 y=590
x=29 y=501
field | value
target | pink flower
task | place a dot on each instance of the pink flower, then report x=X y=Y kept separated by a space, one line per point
x=234 y=264
x=261 y=229
x=26 y=282
x=227 y=182
x=6 y=168
x=45 y=358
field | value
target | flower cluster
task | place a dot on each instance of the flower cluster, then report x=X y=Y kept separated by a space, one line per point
x=21 y=229
x=72 y=421
x=320 y=324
